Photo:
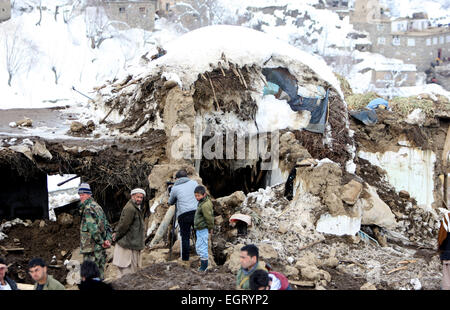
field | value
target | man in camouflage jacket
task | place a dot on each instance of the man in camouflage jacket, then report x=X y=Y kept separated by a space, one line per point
x=95 y=231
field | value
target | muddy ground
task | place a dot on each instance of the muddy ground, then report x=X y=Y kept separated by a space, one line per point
x=44 y=242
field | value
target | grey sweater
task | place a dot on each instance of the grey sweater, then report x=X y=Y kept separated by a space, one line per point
x=183 y=195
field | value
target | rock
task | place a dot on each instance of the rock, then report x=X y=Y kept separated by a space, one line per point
x=176 y=248
x=26 y=122
x=76 y=126
x=170 y=84
x=320 y=288
x=416 y=117
x=283 y=228
x=368 y=287
x=232 y=262
x=42 y=224
x=313 y=273
x=24 y=149
x=267 y=252
x=375 y=211
x=63 y=253
x=232 y=201
x=90 y=126
x=65 y=219
x=404 y=194
x=290 y=271
x=41 y=151
x=351 y=192
x=16 y=240
x=155 y=256
x=218 y=220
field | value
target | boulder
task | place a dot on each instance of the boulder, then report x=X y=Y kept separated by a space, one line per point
x=267 y=252
x=232 y=262
x=375 y=211
x=315 y=274
x=232 y=201
x=351 y=192
x=404 y=194
x=76 y=126
x=24 y=149
x=26 y=122
x=41 y=151
x=291 y=272
x=65 y=219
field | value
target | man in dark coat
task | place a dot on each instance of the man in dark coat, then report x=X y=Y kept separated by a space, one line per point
x=130 y=234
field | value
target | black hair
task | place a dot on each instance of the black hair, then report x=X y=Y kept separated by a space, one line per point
x=181 y=174
x=37 y=261
x=200 y=190
x=252 y=250
x=89 y=270
x=2 y=261
x=259 y=278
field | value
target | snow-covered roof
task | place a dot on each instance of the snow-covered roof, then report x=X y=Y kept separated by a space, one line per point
x=197 y=51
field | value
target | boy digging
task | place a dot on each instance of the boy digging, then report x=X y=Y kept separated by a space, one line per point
x=203 y=224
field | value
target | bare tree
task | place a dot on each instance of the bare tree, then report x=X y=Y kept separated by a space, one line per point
x=19 y=52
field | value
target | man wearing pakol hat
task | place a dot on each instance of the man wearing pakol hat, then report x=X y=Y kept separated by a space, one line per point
x=95 y=231
x=129 y=234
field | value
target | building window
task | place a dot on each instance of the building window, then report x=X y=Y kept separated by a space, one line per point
x=448 y=39
x=380 y=27
x=381 y=41
x=142 y=10
x=122 y=10
x=167 y=6
x=441 y=40
x=396 y=41
x=411 y=42
x=428 y=41
x=435 y=40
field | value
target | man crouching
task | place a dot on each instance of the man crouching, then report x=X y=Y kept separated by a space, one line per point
x=129 y=234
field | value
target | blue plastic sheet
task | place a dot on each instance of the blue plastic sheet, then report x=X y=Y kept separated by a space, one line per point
x=368 y=117
x=377 y=102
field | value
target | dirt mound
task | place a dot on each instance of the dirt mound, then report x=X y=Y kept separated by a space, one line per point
x=45 y=242
x=172 y=276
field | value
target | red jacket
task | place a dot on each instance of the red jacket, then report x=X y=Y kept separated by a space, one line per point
x=284 y=281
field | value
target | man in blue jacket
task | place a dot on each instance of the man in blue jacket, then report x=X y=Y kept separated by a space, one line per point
x=182 y=193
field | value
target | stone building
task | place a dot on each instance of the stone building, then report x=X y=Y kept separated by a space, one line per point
x=136 y=14
x=409 y=39
x=5 y=10
x=164 y=7
x=393 y=75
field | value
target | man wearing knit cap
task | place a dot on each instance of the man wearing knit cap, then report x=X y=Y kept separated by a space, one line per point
x=95 y=231
x=129 y=234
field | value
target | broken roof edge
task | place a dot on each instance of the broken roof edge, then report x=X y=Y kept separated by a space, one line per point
x=201 y=50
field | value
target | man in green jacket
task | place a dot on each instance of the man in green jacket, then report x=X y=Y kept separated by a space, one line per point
x=38 y=271
x=95 y=231
x=249 y=259
x=203 y=225
x=130 y=234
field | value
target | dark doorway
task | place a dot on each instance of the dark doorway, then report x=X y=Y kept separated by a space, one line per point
x=222 y=180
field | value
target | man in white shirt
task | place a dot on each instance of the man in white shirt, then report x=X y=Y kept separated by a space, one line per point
x=6 y=283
